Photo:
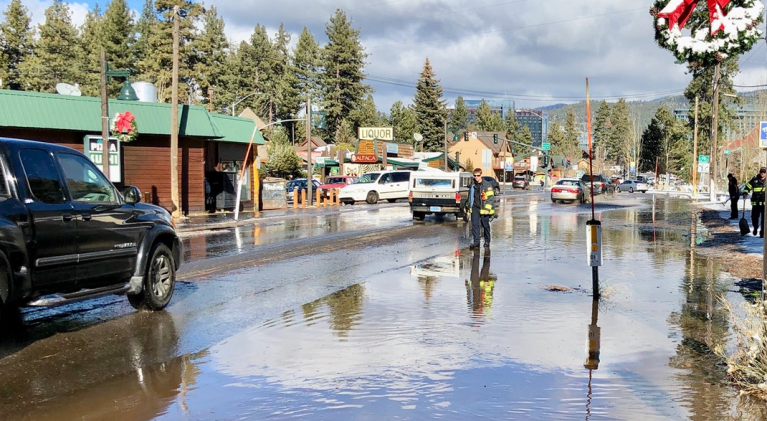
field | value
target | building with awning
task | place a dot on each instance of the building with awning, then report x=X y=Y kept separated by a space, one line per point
x=75 y=121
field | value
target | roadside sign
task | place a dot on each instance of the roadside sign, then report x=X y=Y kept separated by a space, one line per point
x=704 y=158
x=546 y=146
x=703 y=167
x=763 y=134
x=727 y=152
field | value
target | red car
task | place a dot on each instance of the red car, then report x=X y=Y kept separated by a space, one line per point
x=336 y=182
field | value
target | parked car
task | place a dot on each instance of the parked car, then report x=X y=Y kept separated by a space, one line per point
x=336 y=182
x=632 y=185
x=569 y=190
x=601 y=183
x=299 y=184
x=67 y=234
x=520 y=182
x=494 y=183
x=373 y=186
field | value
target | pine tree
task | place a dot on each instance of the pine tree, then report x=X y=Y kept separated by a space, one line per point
x=366 y=114
x=557 y=140
x=210 y=52
x=237 y=81
x=622 y=133
x=158 y=63
x=288 y=85
x=569 y=143
x=343 y=62
x=404 y=121
x=484 y=117
x=663 y=140
x=306 y=59
x=261 y=60
x=512 y=125
x=56 y=52
x=603 y=130
x=141 y=48
x=92 y=39
x=15 y=44
x=460 y=119
x=430 y=109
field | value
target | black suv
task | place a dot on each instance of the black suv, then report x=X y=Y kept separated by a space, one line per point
x=67 y=234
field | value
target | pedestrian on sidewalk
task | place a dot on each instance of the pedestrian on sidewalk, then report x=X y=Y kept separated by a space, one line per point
x=732 y=187
x=541 y=184
x=481 y=207
x=756 y=187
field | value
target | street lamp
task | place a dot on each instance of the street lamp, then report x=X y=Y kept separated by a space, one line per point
x=237 y=101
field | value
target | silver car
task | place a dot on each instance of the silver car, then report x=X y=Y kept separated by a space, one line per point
x=632 y=185
x=569 y=190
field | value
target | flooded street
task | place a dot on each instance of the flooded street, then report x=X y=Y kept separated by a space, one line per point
x=367 y=315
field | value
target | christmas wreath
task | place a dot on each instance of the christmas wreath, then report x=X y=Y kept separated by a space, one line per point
x=732 y=29
x=124 y=126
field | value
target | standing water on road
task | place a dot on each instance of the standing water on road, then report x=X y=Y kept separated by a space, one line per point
x=477 y=335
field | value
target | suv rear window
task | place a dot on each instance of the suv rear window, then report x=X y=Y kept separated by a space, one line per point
x=43 y=178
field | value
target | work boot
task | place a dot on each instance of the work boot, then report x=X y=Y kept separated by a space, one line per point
x=755 y=230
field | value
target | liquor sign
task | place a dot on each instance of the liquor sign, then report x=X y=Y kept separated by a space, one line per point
x=93 y=149
x=363 y=159
x=373 y=133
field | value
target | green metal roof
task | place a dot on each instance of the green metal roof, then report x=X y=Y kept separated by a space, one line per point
x=62 y=112
x=236 y=129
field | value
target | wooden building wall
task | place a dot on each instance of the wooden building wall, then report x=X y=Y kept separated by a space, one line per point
x=146 y=165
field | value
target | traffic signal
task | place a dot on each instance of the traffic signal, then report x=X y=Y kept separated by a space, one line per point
x=495 y=138
x=545 y=161
x=466 y=136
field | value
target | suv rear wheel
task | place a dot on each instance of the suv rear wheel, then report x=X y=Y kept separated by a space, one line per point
x=159 y=280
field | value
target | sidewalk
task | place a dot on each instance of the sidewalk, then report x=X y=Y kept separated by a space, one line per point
x=221 y=220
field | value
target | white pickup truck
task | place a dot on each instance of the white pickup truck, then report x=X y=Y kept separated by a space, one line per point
x=439 y=193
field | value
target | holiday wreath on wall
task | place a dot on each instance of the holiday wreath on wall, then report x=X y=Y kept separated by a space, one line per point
x=124 y=126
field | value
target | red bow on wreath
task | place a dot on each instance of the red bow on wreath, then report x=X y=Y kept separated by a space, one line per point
x=679 y=11
x=123 y=123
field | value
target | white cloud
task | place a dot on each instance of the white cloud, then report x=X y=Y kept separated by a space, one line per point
x=37 y=10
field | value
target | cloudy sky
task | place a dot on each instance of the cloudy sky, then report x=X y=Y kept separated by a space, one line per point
x=536 y=52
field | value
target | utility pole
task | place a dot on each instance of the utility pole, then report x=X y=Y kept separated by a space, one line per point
x=714 y=133
x=104 y=117
x=446 y=165
x=174 y=121
x=309 y=151
x=694 y=155
x=503 y=163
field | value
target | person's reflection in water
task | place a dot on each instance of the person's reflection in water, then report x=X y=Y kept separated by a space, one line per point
x=479 y=289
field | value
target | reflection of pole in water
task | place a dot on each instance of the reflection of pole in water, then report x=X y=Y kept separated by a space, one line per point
x=593 y=345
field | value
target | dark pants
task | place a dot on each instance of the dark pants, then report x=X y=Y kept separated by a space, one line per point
x=756 y=212
x=734 y=207
x=476 y=220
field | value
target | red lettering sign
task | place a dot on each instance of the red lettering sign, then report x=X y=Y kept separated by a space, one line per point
x=364 y=159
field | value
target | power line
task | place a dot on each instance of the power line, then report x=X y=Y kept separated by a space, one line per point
x=491 y=94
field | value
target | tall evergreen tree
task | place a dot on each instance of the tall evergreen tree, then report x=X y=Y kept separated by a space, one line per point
x=557 y=139
x=512 y=125
x=237 y=81
x=56 y=52
x=663 y=140
x=343 y=62
x=92 y=40
x=112 y=32
x=262 y=60
x=404 y=122
x=158 y=63
x=430 y=109
x=488 y=121
x=603 y=129
x=622 y=133
x=567 y=145
x=306 y=59
x=366 y=114
x=15 y=44
x=460 y=119
x=210 y=49
x=287 y=83
x=141 y=48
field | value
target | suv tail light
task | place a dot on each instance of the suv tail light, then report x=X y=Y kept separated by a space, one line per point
x=457 y=197
x=410 y=197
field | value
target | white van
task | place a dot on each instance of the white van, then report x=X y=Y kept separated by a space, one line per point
x=439 y=193
x=377 y=185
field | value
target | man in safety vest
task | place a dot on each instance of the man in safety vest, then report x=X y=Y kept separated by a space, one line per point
x=481 y=207
x=756 y=186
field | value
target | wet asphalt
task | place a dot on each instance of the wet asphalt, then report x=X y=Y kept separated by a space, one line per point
x=362 y=313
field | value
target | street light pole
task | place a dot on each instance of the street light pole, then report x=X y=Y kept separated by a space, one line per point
x=714 y=133
x=174 y=196
x=104 y=117
x=234 y=104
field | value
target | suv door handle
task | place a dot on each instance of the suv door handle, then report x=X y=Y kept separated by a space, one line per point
x=86 y=216
x=67 y=217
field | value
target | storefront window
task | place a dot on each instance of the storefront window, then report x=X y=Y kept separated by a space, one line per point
x=234 y=167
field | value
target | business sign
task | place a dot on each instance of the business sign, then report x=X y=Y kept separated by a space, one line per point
x=546 y=146
x=372 y=133
x=704 y=158
x=93 y=150
x=392 y=148
x=763 y=134
x=363 y=159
